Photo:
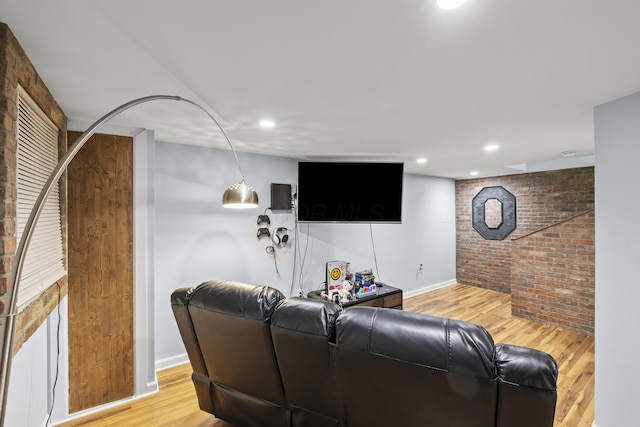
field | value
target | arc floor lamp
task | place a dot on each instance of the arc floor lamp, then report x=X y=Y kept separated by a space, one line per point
x=239 y=195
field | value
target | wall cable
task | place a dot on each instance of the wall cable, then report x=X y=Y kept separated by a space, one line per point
x=55 y=380
x=375 y=258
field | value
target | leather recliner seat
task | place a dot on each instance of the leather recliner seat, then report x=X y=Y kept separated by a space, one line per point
x=260 y=359
x=303 y=331
x=226 y=329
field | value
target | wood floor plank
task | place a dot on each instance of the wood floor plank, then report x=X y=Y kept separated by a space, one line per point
x=176 y=404
x=573 y=352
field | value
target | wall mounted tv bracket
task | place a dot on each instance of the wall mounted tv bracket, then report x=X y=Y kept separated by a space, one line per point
x=264 y=219
x=263 y=232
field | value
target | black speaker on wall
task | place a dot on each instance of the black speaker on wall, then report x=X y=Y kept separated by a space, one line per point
x=280 y=197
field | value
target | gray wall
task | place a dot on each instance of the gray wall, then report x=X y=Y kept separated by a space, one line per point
x=197 y=240
x=187 y=238
x=27 y=400
x=617 y=137
x=426 y=236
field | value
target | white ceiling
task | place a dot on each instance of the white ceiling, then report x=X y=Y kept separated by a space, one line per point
x=345 y=79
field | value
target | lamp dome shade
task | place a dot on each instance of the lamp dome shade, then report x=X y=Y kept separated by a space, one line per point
x=240 y=196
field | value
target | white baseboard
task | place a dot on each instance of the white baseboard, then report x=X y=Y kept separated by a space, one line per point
x=104 y=407
x=170 y=362
x=429 y=288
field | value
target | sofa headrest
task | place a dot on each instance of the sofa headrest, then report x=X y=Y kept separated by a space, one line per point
x=236 y=299
x=435 y=342
x=306 y=315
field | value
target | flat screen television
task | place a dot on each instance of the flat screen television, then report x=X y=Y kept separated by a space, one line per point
x=350 y=192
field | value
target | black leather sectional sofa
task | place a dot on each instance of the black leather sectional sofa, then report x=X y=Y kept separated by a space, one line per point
x=260 y=359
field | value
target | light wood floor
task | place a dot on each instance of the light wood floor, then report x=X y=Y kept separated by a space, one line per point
x=573 y=352
x=176 y=405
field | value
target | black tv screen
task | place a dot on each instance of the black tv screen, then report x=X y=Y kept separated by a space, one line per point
x=350 y=192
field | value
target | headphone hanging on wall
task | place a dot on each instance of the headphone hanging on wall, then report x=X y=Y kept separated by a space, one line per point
x=280 y=236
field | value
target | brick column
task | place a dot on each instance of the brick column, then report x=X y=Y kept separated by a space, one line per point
x=16 y=70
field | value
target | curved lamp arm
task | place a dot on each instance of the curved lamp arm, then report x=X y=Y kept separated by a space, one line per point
x=7 y=318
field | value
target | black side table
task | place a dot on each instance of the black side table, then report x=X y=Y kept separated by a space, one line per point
x=387 y=297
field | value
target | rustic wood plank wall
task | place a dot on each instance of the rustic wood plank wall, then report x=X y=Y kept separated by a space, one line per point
x=100 y=197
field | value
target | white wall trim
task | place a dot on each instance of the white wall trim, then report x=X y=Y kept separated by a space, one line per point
x=428 y=288
x=172 y=361
x=100 y=408
x=145 y=380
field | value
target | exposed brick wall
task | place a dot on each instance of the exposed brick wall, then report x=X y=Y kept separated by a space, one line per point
x=553 y=275
x=16 y=70
x=542 y=199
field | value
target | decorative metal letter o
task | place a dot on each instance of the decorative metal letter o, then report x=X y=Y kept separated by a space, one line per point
x=508 y=223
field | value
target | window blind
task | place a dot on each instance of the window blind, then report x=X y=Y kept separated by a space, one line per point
x=37 y=157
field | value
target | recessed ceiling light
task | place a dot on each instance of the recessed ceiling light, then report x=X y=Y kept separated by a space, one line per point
x=474 y=173
x=421 y=160
x=450 y=4
x=266 y=123
x=491 y=147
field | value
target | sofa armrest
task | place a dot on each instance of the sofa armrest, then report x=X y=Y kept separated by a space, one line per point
x=180 y=299
x=527 y=386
